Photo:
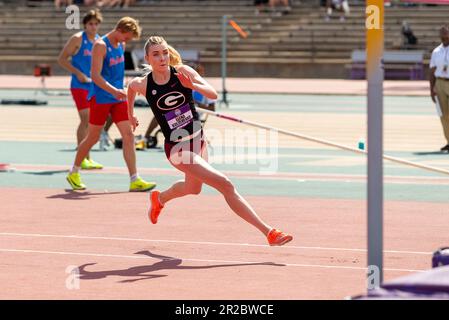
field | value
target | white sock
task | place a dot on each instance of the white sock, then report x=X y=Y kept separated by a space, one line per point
x=134 y=177
x=75 y=169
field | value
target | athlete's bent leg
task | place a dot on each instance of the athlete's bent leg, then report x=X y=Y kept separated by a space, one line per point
x=190 y=185
x=129 y=151
x=200 y=169
x=93 y=134
x=83 y=126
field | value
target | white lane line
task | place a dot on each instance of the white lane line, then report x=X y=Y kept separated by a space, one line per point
x=251 y=174
x=198 y=260
x=201 y=243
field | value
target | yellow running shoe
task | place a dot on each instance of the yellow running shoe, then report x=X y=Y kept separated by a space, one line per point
x=95 y=165
x=140 y=185
x=85 y=164
x=74 y=179
x=88 y=164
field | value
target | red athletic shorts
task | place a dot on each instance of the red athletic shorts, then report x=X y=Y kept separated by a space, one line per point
x=80 y=98
x=98 y=112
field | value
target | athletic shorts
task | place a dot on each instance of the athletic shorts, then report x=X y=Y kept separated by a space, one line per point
x=98 y=112
x=80 y=98
x=195 y=145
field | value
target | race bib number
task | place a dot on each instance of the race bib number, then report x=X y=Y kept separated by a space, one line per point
x=179 y=117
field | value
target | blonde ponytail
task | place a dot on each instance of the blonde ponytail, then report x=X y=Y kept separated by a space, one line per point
x=175 y=57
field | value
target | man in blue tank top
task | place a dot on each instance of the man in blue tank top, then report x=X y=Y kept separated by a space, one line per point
x=75 y=57
x=108 y=97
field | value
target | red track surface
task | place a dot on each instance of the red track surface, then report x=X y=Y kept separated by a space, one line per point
x=200 y=249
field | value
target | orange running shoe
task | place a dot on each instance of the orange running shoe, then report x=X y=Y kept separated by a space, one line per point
x=278 y=238
x=155 y=206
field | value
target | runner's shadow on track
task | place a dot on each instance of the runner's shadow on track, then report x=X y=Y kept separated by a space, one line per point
x=81 y=195
x=45 y=173
x=146 y=272
x=91 y=150
x=67 y=150
x=430 y=153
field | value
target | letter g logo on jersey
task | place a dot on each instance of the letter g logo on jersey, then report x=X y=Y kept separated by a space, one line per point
x=171 y=100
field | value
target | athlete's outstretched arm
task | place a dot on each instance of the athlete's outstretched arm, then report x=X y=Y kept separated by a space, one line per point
x=191 y=79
